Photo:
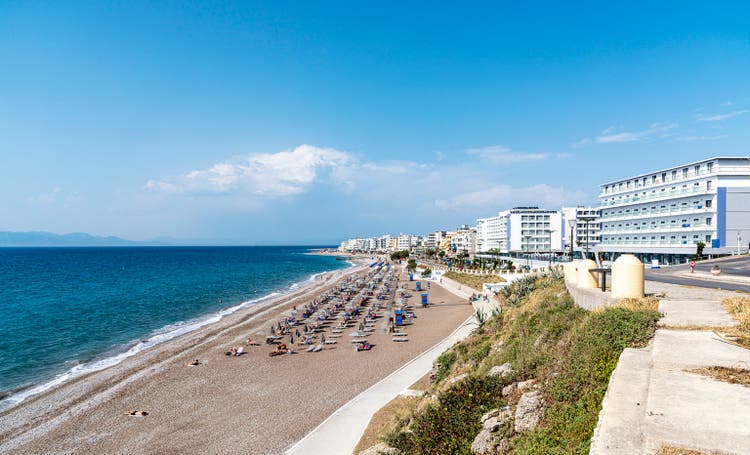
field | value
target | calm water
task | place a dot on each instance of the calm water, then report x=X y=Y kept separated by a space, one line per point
x=64 y=311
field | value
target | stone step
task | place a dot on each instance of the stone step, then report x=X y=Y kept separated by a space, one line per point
x=620 y=426
x=694 y=313
x=692 y=411
x=685 y=349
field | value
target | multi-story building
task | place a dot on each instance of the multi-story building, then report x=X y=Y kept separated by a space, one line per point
x=583 y=226
x=432 y=240
x=492 y=233
x=662 y=215
x=531 y=229
x=464 y=240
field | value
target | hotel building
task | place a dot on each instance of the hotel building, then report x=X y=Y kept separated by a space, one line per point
x=583 y=228
x=662 y=215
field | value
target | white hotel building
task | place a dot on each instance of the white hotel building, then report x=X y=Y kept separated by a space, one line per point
x=662 y=215
x=521 y=229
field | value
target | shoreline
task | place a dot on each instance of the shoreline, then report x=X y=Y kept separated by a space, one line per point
x=117 y=354
x=253 y=403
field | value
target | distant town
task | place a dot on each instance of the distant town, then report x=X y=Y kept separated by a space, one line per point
x=662 y=217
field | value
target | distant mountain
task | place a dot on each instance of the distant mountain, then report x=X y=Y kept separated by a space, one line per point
x=8 y=238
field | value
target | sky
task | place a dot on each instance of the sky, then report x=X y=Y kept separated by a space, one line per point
x=312 y=122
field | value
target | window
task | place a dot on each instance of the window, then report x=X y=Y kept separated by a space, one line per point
x=697 y=169
x=653 y=180
x=708 y=221
x=708 y=236
x=685 y=173
x=708 y=203
x=708 y=184
x=663 y=177
x=709 y=167
x=674 y=176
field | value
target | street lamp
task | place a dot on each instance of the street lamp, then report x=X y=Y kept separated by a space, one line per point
x=571 y=225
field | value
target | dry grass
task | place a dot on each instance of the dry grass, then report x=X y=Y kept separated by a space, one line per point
x=389 y=416
x=642 y=304
x=739 y=308
x=731 y=375
x=707 y=328
x=667 y=449
x=423 y=384
x=473 y=281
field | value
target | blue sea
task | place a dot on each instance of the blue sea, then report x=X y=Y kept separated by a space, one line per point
x=66 y=311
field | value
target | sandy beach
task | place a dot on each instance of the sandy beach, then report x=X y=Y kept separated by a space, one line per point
x=252 y=404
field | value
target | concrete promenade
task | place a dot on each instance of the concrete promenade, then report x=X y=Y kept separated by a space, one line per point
x=340 y=433
x=653 y=399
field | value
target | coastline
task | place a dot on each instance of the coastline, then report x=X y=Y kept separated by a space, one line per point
x=117 y=354
x=252 y=404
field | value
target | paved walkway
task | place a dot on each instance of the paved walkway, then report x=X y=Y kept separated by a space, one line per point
x=652 y=399
x=340 y=433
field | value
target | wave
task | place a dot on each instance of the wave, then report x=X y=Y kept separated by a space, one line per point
x=157 y=337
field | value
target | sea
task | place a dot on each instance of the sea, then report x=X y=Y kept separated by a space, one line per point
x=68 y=311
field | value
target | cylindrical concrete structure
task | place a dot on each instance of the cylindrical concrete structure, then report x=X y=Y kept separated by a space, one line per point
x=627 y=277
x=584 y=278
x=571 y=270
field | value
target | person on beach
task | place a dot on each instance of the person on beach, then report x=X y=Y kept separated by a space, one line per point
x=194 y=363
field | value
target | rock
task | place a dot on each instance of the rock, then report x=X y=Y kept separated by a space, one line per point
x=458 y=378
x=482 y=444
x=378 y=449
x=433 y=374
x=489 y=415
x=509 y=389
x=491 y=423
x=505 y=370
x=498 y=346
x=529 y=411
x=526 y=385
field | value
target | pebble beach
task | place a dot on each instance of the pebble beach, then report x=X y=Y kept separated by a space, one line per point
x=252 y=403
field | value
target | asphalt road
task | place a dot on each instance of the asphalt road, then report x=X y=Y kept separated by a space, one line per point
x=737 y=266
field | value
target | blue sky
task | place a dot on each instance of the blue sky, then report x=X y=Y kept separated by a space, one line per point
x=309 y=122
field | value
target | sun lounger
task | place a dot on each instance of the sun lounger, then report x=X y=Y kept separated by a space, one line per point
x=310 y=349
x=318 y=348
x=400 y=334
x=399 y=339
x=330 y=342
x=359 y=341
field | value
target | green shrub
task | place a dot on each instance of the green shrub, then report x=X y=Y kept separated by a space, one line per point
x=445 y=363
x=450 y=425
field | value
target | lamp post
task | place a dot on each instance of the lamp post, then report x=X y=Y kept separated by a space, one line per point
x=571 y=225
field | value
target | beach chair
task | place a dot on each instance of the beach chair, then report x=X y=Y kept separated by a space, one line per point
x=330 y=342
x=318 y=348
x=310 y=349
x=400 y=339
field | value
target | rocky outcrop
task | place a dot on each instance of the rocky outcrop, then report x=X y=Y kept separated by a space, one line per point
x=458 y=378
x=529 y=411
x=492 y=422
x=505 y=370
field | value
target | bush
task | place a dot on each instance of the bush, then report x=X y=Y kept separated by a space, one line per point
x=445 y=363
x=450 y=425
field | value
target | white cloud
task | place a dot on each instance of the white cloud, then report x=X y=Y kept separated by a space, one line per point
x=501 y=154
x=719 y=117
x=700 y=138
x=607 y=136
x=284 y=173
x=541 y=195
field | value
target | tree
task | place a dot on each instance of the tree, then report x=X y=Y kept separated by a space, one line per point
x=699 y=248
x=441 y=254
x=411 y=264
x=427 y=272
